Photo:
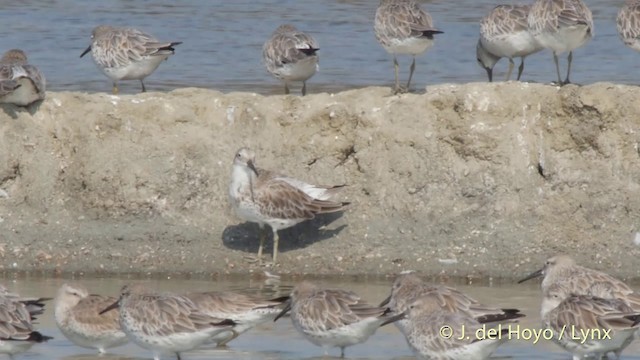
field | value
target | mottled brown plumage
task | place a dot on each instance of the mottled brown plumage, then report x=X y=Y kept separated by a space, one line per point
x=268 y=198
x=20 y=83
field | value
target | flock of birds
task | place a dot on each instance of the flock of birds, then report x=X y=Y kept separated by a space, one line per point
x=437 y=321
x=402 y=27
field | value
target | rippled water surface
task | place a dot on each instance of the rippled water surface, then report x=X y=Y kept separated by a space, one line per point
x=280 y=340
x=223 y=40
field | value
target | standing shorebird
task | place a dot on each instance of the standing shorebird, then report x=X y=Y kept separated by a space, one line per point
x=628 y=24
x=127 y=53
x=165 y=323
x=268 y=198
x=16 y=329
x=248 y=311
x=407 y=287
x=561 y=25
x=504 y=32
x=435 y=333
x=290 y=55
x=20 y=83
x=402 y=27
x=76 y=314
x=333 y=317
x=606 y=325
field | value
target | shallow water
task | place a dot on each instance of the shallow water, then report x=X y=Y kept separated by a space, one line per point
x=280 y=340
x=223 y=42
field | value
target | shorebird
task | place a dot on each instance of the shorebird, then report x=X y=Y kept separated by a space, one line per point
x=127 y=53
x=334 y=318
x=588 y=326
x=165 y=323
x=20 y=83
x=76 y=314
x=403 y=28
x=16 y=329
x=504 y=32
x=291 y=55
x=407 y=287
x=561 y=25
x=628 y=24
x=579 y=280
x=247 y=311
x=34 y=305
x=437 y=334
x=268 y=198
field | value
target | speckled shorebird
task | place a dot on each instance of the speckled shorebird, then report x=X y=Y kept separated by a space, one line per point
x=76 y=315
x=127 y=53
x=605 y=325
x=427 y=320
x=247 y=311
x=269 y=198
x=563 y=274
x=402 y=27
x=165 y=323
x=34 y=305
x=407 y=287
x=20 y=83
x=561 y=25
x=16 y=330
x=291 y=55
x=628 y=24
x=504 y=32
x=334 y=318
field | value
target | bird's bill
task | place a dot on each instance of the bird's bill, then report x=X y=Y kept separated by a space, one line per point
x=284 y=311
x=252 y=167
x=110 y=307
x=385 y=302
x=85 y=51
x=534 y=274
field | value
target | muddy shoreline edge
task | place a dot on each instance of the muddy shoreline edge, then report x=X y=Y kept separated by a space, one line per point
x=469 y=181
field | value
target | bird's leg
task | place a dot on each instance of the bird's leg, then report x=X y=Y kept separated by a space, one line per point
x=143 y=88
x=411 y=70
x=276 y=239
x=520 y=68
x=286 y=89
x=396 y=66
x=342 y=352
x=115 y=88
x=178 y=356
x=570 y=59
x=223 y=343
x=555 y=59
x=263 y=235
x=304 y=88
x=510 y=69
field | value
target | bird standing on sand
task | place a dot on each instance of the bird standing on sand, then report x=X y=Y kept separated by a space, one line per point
x=290 y=55
x=127 y=53
x=561 y=25
x=20 y=83
x=402 y=27
x=268 y=198
x=504 y=32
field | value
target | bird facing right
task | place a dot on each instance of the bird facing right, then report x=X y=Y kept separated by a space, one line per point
x=291 y=55
x=504 y=32
x=127 y=53
x=402 y=27
x=561 y=26
x=20 y=83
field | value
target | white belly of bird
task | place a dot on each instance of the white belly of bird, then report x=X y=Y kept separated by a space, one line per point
x=343 y=336
x=89 y=339
x=298 y=71
x=566 y=39
x=22 y=96
x=14 y=347
x=409 y=46
x=513 y=45
x=594 y=344
x=479 y=350
x=134 y=70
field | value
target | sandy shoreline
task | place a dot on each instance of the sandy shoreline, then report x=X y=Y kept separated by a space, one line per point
x=476 y=180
